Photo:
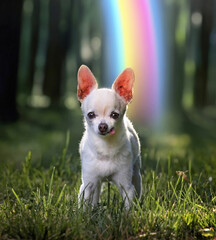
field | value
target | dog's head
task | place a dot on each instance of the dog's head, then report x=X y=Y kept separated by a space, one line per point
x=104 y=108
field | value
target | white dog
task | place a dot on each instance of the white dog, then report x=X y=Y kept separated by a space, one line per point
x=110 y=147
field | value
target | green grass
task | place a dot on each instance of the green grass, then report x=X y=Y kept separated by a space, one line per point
x=178 y=200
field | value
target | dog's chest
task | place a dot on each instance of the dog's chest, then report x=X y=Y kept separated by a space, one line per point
x=111 y=162
x=103 y=159
x=107 y=163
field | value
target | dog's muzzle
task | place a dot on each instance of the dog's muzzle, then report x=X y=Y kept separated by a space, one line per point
x=103 y=127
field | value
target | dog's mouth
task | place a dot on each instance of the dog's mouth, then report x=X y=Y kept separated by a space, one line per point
x=110 y=132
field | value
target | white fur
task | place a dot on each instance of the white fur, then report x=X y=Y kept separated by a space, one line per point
x=115 y=157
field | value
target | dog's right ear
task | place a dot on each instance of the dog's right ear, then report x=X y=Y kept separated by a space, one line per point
x=123 y=84
x=86 y=82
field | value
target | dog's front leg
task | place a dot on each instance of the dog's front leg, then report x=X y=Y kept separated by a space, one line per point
x=125 y=186
x=89 y=191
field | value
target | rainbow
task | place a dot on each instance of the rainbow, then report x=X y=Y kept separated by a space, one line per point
x=134 y=36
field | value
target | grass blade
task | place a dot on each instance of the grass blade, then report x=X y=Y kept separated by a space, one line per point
x=18 y=199
x=60 y=195
x=50 y=186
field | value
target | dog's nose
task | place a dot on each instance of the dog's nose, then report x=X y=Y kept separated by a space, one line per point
x=103 y=127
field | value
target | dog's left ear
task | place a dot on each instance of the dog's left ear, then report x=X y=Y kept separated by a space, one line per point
x=123 y=84
x=86 y=82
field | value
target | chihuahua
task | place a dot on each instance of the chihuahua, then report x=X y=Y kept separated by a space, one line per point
x=110 y=147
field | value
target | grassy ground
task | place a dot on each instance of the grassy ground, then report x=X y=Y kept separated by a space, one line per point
x=38 y=193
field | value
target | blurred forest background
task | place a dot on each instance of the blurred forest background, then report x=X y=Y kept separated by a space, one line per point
x=42 y=45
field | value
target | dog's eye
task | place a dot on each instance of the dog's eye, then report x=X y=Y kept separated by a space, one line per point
x=91 y=115
x=114 y=115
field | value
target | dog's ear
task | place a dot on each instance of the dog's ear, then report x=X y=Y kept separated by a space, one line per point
x=123 y=84
x=86 y=82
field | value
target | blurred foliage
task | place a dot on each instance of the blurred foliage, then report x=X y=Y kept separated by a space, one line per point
x=79 y=33
x=57 y=37
x=42 y=132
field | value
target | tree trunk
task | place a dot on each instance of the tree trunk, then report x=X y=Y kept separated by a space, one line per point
x=52 y=78
x=34 y=43
x=201 y=76
x=178 y=52
x=58 y=42
x=10 y=24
